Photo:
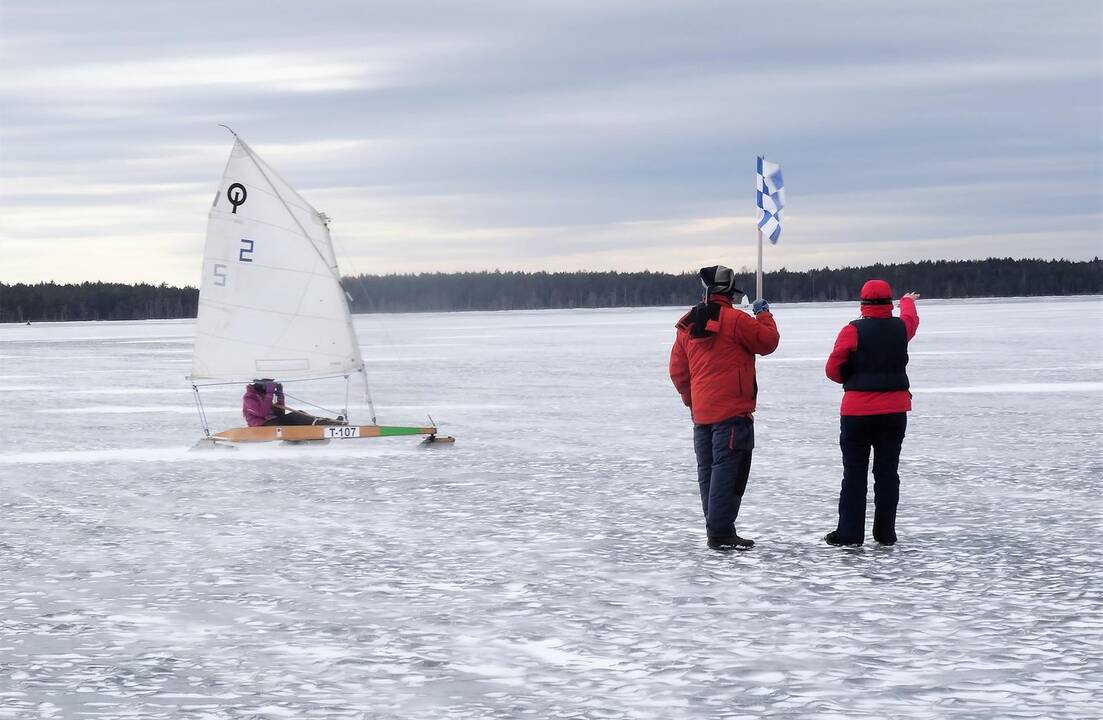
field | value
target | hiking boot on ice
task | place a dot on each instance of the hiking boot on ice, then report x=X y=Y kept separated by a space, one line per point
x=732 y=541
x=832 y=538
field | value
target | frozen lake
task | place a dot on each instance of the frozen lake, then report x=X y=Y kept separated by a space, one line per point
x=552 y=563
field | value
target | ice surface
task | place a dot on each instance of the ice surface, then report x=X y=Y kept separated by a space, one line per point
x=551 y=563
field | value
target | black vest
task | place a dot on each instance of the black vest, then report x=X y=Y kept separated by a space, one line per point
x=881 y=360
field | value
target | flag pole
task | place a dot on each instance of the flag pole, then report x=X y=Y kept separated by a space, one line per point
x=758 y=275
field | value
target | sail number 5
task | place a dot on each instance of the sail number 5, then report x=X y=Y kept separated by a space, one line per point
x=342 y=431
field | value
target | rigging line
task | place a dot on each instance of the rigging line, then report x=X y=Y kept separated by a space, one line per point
x=348 y=384
x=353 y=338
x=377 y=315
x=367 y=395
x=377 y=318
x=202 y=411
x=307 y=402
x=247 y=382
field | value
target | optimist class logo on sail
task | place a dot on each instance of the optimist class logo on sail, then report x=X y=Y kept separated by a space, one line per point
x=236 y=194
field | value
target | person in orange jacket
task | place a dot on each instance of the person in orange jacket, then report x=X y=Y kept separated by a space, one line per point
x=870 y=360
x=712 y=366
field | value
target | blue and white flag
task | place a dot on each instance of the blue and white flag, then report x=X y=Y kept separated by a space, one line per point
x=771 y=198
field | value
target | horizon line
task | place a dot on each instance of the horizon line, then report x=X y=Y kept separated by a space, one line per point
x=742 y=270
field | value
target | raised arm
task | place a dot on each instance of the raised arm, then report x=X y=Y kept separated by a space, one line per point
x=909 y=314
x=758 y=334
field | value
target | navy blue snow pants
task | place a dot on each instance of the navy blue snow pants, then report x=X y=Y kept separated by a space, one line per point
x=883 y=434
x=723 y=466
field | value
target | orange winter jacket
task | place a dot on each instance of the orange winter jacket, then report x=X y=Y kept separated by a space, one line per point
x=713 y=367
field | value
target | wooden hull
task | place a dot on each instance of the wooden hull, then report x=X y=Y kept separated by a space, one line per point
x=307 y=433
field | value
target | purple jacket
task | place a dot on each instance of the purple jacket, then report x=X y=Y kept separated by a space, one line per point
x=257 y=407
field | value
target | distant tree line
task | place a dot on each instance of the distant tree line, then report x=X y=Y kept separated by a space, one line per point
x=95 y=301
x=429 y=292
x=994 y=277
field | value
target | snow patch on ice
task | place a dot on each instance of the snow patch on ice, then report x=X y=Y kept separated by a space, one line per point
x=133 y=409
x=253 y=452
x=1014 y=388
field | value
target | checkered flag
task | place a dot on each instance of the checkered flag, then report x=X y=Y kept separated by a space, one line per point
x=771 y=199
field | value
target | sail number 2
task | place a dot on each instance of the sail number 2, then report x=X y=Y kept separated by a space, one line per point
x=244 y=254
x=342 y=431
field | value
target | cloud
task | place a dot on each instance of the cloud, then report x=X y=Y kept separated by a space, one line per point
x=557 y=135
x=295 y=73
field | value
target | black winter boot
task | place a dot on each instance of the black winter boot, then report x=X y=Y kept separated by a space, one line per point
x=732 y=541
x=885 y=538
x=833 y=538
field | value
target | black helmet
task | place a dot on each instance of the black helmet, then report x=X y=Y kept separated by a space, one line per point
x=719 y=280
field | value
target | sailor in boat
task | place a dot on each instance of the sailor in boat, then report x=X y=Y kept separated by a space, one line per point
x=263 y=404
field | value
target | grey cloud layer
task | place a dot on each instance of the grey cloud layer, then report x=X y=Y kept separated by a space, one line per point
x=553 y=135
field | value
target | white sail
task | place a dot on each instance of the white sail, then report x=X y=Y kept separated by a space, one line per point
x=270 y=299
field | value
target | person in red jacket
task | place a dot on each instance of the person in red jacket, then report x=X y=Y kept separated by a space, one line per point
x=712 y=367
x=870 y=359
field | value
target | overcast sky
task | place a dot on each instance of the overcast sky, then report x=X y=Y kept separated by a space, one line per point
x=574 y=134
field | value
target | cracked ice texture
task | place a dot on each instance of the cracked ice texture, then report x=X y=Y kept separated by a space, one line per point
x=552 y=563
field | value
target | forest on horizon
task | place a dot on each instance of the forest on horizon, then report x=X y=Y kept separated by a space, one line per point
x=496 y=290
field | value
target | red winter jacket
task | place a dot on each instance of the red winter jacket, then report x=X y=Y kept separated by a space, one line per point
x=715 y=375
x=861 y=402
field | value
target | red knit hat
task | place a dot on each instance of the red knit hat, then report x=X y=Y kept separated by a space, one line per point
x=876 y=292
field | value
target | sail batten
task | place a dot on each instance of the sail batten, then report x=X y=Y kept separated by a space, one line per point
x=270 y=298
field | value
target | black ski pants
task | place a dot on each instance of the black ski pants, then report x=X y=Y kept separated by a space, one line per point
x=859 y=434
x=723 y=466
